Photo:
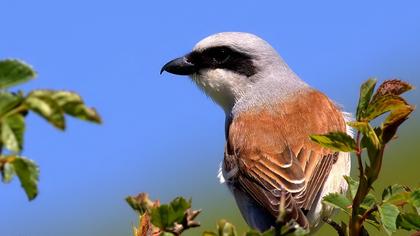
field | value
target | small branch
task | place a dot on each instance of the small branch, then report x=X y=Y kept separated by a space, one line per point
x=337 y=227
x=355 y=225
x=359 y=154
x=187 y=223
x=22 y=107
x=368 y=213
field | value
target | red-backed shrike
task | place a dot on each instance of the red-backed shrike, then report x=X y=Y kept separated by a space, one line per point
x=270 y=114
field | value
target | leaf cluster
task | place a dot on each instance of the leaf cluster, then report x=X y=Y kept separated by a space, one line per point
x=177 y=216
x=52 y=105
x=398 y=207
x=162 y=219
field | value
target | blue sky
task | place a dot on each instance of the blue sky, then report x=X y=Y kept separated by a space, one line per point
x=160 y=133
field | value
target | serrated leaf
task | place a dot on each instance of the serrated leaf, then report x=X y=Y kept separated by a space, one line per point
x=353 y=185
x=160 y=216
x=366 y=91
x=12 y=131
x=13 y=72
x=392 y=87
x=338 y=201
x=382 y=105
x=408 y=221
x=8 y=101
x=392 y=190
x=397 y=195
x=389 y=214
x=179 y=206
x=47 y=108
x=73 y=105
x=337 y=141
x=27 y=172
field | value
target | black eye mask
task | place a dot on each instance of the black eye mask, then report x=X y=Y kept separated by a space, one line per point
x=223 y=57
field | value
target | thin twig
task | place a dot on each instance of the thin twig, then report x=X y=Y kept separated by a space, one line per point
x=336 y=226
x=359 y=154
x=368 y=212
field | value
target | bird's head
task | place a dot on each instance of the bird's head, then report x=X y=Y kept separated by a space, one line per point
x=226 y=65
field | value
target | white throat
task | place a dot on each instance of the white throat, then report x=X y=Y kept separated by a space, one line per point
x=223 y=86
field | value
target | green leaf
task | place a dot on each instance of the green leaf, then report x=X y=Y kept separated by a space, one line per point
x=73 y=105
x=46 y=107
x=369 y=201
x=382 y=105
x=226 y=229
x=415 y=199
x=366 y=91
x=392 y=190
x=8 y=101
x=179 y=206
x=13 y=72
x=337 y=141
x=7 y=172
x=389 y=214
x=366 y=129
x=160 y=216
x=408 y=221
x=369 y=140
x=166 y=234
x=353 y=185
x=397 y=195
x=12 y=131
x=338 y=201
x=27 y=172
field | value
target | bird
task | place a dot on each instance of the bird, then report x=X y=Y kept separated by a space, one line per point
x=269 y=160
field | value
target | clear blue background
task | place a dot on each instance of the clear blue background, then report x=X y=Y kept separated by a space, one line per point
x=160 y=134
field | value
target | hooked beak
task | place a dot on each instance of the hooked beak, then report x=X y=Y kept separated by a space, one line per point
x=179 y=66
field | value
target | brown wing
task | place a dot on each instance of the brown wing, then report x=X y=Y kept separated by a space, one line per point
x=274 y=155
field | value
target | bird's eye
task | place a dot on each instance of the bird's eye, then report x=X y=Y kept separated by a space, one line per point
x=220 y=56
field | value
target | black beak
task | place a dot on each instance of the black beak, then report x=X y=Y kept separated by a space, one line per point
x=179 y=66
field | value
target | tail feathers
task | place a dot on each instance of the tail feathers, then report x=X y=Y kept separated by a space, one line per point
x=261 y=219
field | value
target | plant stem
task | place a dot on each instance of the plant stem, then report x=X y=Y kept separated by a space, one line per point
x=22 y=107
x=337 y=227
x=368 y=212
x=365 y=184
x=355 y=225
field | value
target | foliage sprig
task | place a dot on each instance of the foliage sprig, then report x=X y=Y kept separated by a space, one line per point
x=52 y=105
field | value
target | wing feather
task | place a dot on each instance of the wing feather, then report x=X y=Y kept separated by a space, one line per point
x=274 y=156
